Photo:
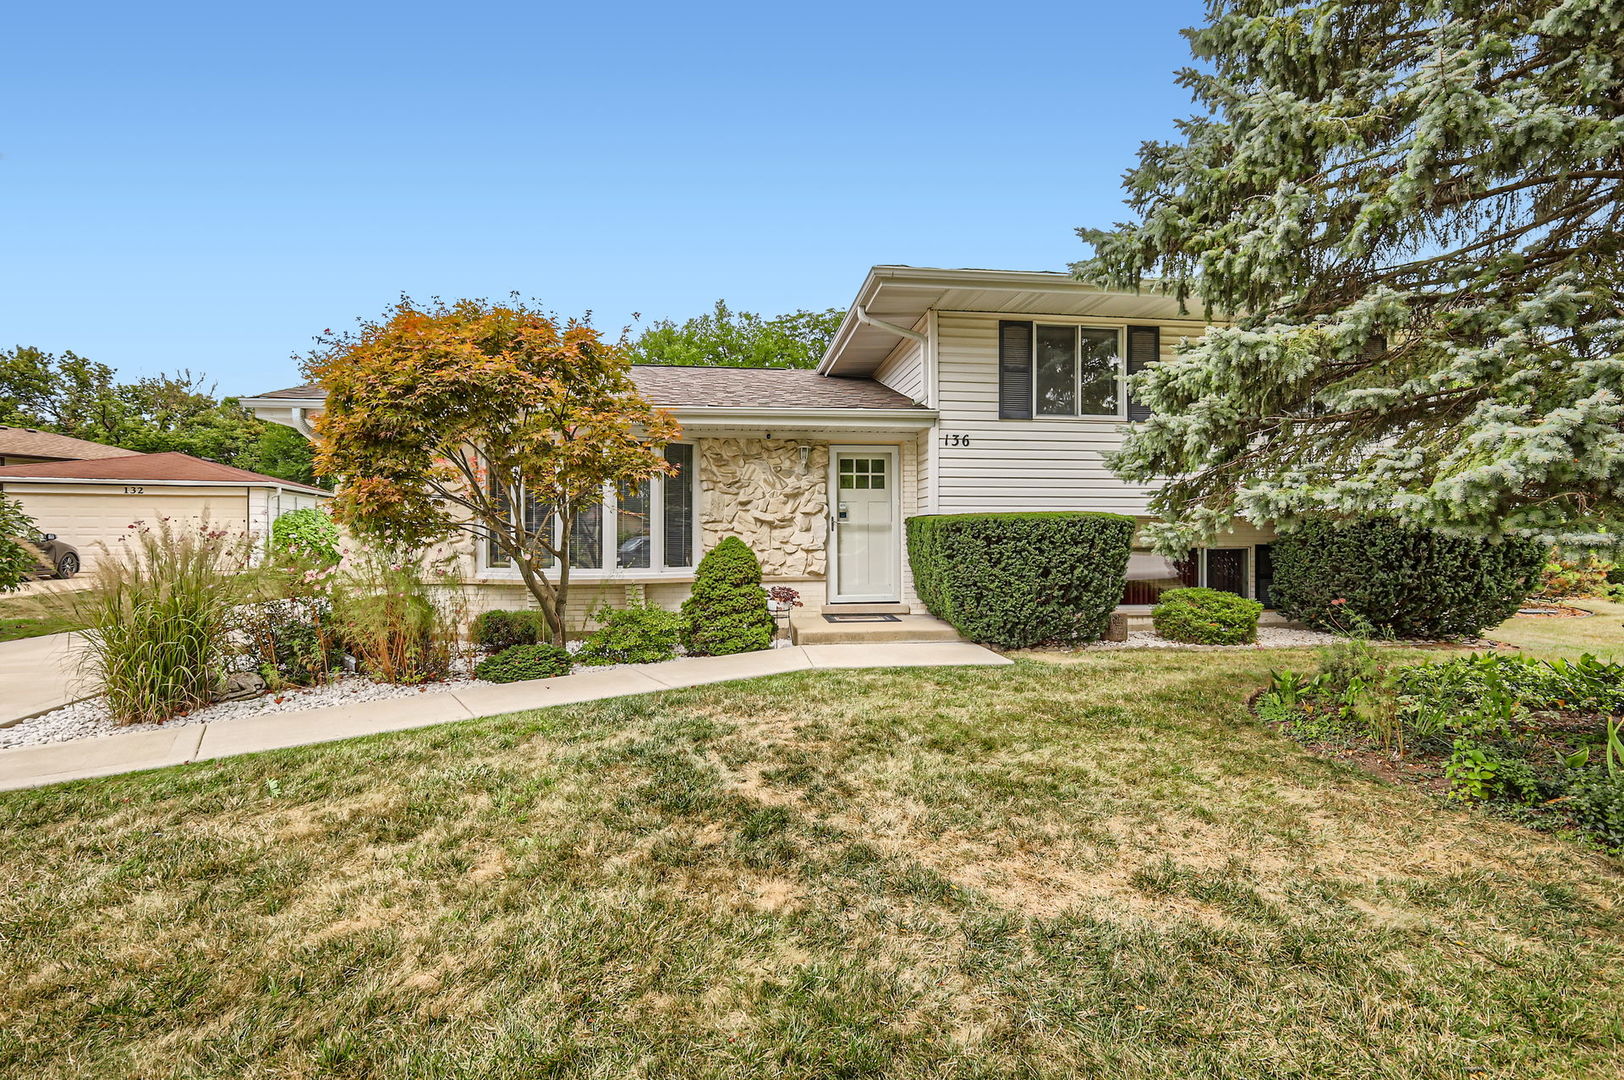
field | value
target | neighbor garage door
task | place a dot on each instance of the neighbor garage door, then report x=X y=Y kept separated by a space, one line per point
x=89 y=516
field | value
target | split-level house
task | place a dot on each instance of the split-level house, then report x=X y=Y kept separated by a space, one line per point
x=944 y=391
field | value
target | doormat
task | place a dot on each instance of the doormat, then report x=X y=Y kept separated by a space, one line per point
x=861 y=618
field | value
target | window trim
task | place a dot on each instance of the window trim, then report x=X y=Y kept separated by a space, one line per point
x=1120 y=376
x=609 y=537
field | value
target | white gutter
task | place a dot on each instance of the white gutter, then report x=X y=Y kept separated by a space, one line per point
x=138 y=482
x=864 y=317
x=902 y=419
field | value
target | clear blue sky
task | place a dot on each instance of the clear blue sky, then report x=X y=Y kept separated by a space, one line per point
x=209 y=185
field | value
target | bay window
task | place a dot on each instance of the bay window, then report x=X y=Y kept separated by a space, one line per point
x=649 y=528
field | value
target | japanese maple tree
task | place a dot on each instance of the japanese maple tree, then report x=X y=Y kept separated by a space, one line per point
x=1410 y=215
x=493 y=421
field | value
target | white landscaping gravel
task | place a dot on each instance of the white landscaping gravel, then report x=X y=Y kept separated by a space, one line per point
x=1268 y=637
x=89 y=718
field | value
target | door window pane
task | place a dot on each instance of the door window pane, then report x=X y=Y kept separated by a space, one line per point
x=679 y=506
x=1056 y=370
x=1226 y=570
x=1097 y=394
x=632 y=536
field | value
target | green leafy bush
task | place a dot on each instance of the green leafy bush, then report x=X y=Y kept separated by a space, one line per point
x=635 y=634
x=498 y=630
x=291 y=639
x=1206 y=617
x=18 y=560
x=524 y=662
x=307 y=535
x=1400 y=581
x=1017 y=580
x=727 y=611
x=1595 y=799
x=1567 y=575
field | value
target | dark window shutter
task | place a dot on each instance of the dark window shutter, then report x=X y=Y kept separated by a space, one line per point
x=1144 y=348
x=1014 y=371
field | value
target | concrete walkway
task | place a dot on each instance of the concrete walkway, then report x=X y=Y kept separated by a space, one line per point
x=33 y=766
x=37 y=675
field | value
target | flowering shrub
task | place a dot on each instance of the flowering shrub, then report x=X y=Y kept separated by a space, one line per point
x=306 y=536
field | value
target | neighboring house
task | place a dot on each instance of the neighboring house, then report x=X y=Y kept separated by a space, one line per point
x=91 y=504
x=944 y=391
x=24 y=445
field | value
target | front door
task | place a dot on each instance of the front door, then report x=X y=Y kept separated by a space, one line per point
x=863 y=522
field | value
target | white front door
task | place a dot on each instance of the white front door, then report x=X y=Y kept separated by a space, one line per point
x=863 y=509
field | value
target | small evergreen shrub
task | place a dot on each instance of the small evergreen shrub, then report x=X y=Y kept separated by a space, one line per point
x=307 y=535
x=1401 y=581
x=636 y=634
x=1206 y=617
x=522 y=662
x=498 y=630
x=727 y=611
x=1017 y=580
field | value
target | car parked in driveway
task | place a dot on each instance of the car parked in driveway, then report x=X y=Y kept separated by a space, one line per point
x=58 y=557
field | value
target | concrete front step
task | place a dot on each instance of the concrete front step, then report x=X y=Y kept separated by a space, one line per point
x=811 y=628
x=867 y=609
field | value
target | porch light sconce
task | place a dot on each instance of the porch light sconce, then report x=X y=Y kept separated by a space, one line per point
x=806 y=452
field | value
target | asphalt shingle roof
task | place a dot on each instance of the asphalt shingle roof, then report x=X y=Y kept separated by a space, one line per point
x=732 y=388
x=30 y=442
x=166 y=466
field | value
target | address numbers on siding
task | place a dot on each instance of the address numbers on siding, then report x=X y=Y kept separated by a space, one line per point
x=955 y=439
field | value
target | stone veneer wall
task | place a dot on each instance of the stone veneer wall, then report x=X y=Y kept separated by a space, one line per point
x=756 y=489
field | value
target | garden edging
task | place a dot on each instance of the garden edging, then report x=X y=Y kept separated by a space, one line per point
x=35 y=766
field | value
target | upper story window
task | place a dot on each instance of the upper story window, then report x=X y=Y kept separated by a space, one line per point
x=647 y=529
x=1071 y=370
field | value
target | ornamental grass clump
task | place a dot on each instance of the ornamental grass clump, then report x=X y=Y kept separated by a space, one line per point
x=157 y=620
x=727 y=610
x=399 y=616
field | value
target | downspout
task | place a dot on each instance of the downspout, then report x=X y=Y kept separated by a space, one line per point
x=892 y=328
x=302 y=425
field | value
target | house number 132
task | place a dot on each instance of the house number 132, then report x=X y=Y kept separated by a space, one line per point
x=955 y=440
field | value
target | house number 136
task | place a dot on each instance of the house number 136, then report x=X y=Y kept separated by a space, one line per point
x=955 y=440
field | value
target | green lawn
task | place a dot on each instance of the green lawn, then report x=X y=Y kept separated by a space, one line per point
x=23 y=617
x=1603 y=634
x=1099 y=868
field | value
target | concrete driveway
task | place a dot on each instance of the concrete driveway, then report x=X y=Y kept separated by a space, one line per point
x=37 y=675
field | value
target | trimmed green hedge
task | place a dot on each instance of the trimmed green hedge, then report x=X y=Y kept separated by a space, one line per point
x=502 y=629
x=1206 y=617
x=1399 y=581
x=1017 y=580
x=726 y=612
x=524 y=662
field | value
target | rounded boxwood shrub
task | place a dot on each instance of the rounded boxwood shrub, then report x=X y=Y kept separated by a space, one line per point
x=1023 y=579
x=1393 y=580
x=498 y=630
x=524 y=662
x=1206 y=617
x=727 y=611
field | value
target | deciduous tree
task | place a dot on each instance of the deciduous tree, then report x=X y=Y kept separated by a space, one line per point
x=726 y=338
x=1411 y=213
x=492 y=421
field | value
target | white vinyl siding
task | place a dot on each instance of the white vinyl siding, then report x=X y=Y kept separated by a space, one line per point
x=983 y=463
x=904 y=370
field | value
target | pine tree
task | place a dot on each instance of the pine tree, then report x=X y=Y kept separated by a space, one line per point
x=1409 y=214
